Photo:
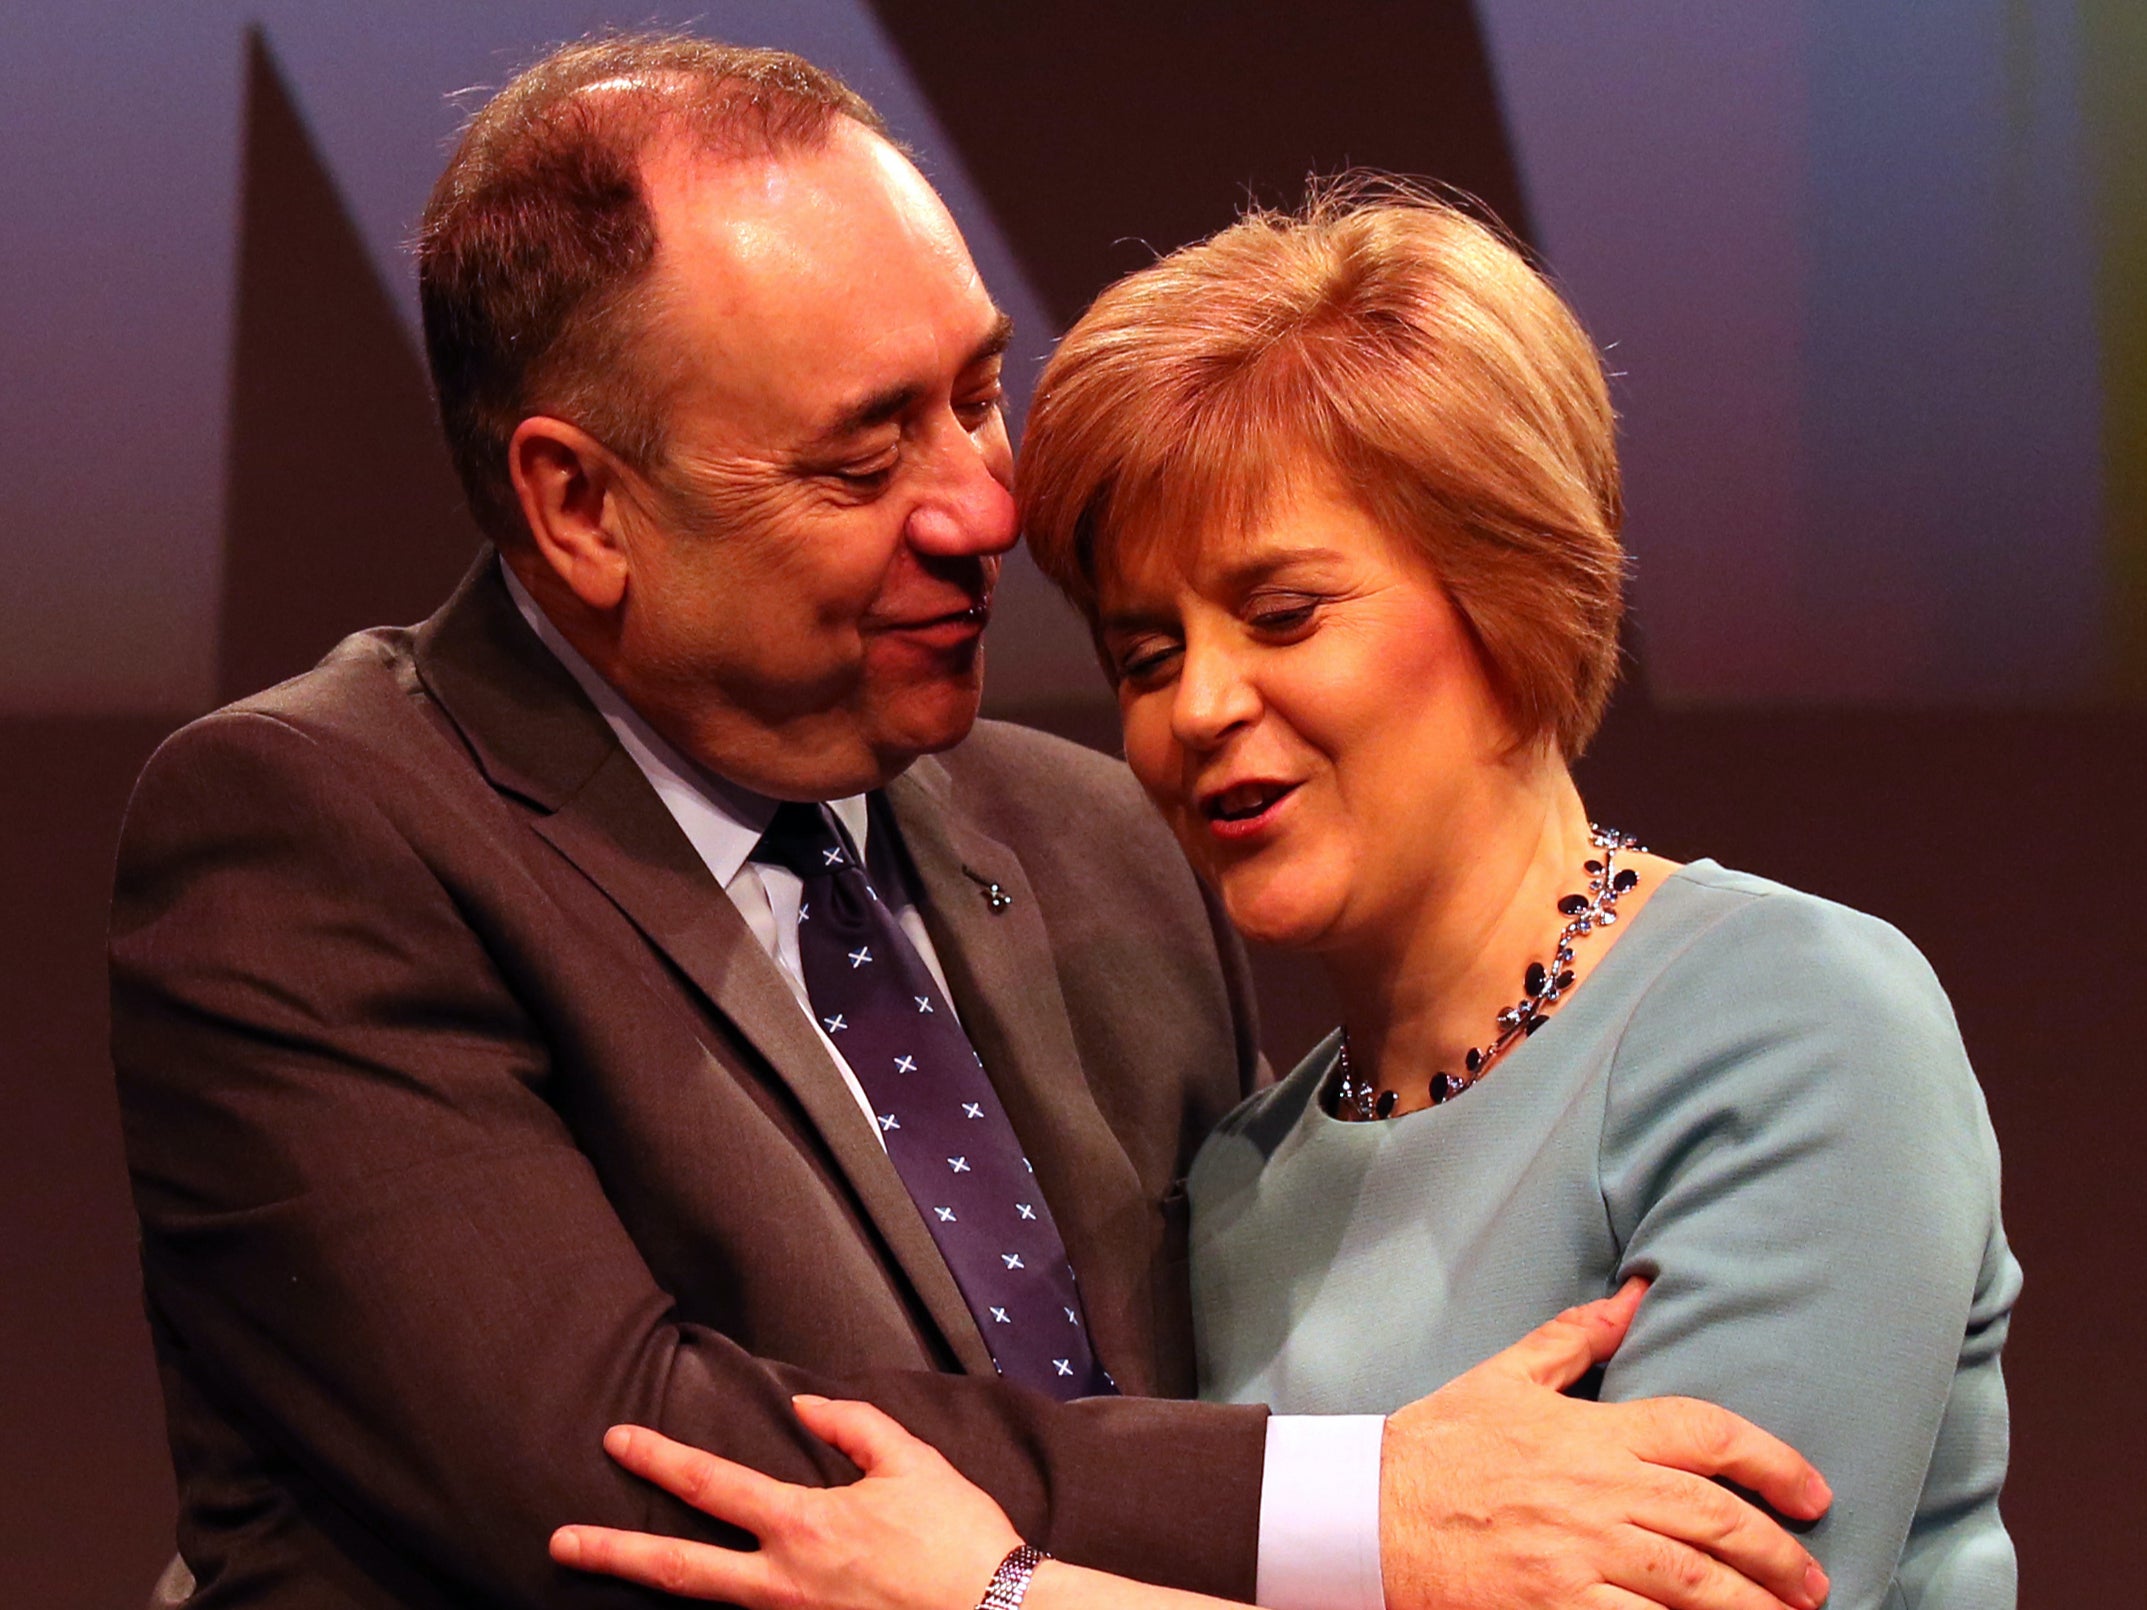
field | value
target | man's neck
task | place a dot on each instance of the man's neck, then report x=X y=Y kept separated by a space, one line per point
x=667 y=767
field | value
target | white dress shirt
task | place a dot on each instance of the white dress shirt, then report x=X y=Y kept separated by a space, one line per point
x=1319 y=1494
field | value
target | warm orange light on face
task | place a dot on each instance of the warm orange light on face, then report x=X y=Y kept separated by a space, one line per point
x=1307 y=709
x=813 y=618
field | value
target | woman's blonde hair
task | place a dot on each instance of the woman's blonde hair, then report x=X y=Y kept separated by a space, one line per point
x=1385 y=337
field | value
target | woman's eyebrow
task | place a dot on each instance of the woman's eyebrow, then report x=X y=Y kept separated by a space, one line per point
x=1263 y=563
x=1135 y=620
x=1230 y=580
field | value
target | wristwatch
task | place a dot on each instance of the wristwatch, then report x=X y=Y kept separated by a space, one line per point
x=1011 y=1580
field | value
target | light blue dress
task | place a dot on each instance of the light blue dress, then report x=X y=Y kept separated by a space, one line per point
x=1760 y=1099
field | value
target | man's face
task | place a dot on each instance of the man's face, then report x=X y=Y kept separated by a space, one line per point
x=811 y=571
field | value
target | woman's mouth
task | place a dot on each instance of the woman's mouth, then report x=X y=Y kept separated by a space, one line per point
x=1244 y=809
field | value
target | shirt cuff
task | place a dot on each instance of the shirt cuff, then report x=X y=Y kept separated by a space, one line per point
x=1319 y=1513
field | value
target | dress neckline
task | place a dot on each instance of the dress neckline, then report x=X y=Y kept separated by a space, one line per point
x=1310 y=1077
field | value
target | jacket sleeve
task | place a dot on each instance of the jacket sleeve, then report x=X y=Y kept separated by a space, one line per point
x=1796 y=1150
x=370 y=1236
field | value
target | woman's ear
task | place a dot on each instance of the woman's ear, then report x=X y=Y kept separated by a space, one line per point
x=569 y=486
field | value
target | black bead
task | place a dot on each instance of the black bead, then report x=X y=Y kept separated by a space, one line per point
x=1533 y=980
x=1591 y=866
x=1573 y=904
x=1444 y=1087
x=1625 y=880
x=1537 y=1022
x=1384 y=1106
x=1474 y=1061
x=1565 y=979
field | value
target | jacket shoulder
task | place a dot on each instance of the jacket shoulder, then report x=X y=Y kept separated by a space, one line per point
x=1035 y=790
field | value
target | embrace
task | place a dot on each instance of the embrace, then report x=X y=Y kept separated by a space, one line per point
x=608 y=1065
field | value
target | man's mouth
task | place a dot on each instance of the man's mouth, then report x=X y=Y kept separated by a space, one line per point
x=974 y=618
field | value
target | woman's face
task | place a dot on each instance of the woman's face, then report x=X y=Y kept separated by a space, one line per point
x=1304 y=705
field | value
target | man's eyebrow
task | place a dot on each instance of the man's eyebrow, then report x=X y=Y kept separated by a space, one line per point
x=995 y=343
x=891 y=402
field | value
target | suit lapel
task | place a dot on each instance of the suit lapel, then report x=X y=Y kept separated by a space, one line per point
x=1000 y=966
x=534 y=734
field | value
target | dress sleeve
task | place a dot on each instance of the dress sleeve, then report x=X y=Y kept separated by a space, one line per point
x=1795 y=1149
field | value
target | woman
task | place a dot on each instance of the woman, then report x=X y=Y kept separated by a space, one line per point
x=1338 y=495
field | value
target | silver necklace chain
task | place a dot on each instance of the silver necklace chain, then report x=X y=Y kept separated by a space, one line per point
x=1543 y=985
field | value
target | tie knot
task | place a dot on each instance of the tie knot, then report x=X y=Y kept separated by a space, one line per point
x=802 y=838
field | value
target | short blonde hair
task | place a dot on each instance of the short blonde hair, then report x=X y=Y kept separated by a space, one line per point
x=1386 y=335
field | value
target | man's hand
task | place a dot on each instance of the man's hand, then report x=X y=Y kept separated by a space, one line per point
x=1499 y=1493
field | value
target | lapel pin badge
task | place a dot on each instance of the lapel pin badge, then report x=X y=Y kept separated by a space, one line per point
x=994 y=892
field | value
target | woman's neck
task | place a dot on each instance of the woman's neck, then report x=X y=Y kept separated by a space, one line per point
x=1423 y=989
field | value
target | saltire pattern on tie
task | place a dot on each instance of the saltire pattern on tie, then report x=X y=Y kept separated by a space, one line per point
x=939 y=1117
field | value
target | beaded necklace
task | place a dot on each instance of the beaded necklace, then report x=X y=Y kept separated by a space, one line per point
x=1542 y=986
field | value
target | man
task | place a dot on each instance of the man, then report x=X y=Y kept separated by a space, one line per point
x=488 y=1072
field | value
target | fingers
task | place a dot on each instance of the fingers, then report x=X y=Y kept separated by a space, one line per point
x=1665 y=1572
x=670 y=1564
x=710 y=1483
x=1560 y=1351
x=1686 y=1434
x=868 y=1437
x=1690 y=1511
x=1623 y=1303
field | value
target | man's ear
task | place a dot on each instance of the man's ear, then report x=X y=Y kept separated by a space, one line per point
x=569 y=485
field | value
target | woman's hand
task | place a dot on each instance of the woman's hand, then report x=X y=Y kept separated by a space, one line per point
x=913 y=1534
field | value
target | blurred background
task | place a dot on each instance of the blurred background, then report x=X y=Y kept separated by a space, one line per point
x=1873 y=280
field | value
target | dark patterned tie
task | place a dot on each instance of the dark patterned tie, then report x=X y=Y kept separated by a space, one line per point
x=944 y=1129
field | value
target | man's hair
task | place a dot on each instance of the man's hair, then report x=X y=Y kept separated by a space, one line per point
x=1387 y=340
x=534 y=253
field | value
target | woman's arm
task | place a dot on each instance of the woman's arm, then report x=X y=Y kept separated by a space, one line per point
x=1795 y=1150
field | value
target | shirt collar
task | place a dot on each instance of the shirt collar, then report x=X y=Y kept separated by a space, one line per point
x=722 y=819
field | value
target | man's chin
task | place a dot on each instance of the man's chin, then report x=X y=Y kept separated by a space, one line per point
x=925 y=721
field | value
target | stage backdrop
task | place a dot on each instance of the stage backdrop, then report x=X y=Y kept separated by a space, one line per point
x=1873 y=281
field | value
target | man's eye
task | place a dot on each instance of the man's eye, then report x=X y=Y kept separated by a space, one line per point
x=870 y=477
x=977 y=411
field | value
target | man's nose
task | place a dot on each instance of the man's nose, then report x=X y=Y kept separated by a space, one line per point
x=968 y=509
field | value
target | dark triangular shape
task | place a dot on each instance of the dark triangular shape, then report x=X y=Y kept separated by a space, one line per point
x=340 y=509
x=1104 y=132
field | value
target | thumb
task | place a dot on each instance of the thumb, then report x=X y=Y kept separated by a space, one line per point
x=1560 y=1351
x=869 y=1438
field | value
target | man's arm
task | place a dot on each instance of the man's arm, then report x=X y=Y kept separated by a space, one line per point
x=912 y=1535
x=370 y=1231
x=368 y=1224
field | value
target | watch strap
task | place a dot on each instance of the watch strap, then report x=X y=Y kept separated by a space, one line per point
x=1011 y=1580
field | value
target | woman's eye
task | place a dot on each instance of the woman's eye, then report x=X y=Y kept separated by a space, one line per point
x=1288 y=613
x=1146 y=663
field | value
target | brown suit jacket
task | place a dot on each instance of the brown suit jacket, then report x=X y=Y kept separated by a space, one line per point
x=467 y=1118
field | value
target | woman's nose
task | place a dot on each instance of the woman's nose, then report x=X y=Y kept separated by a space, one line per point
x=1213 y=697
